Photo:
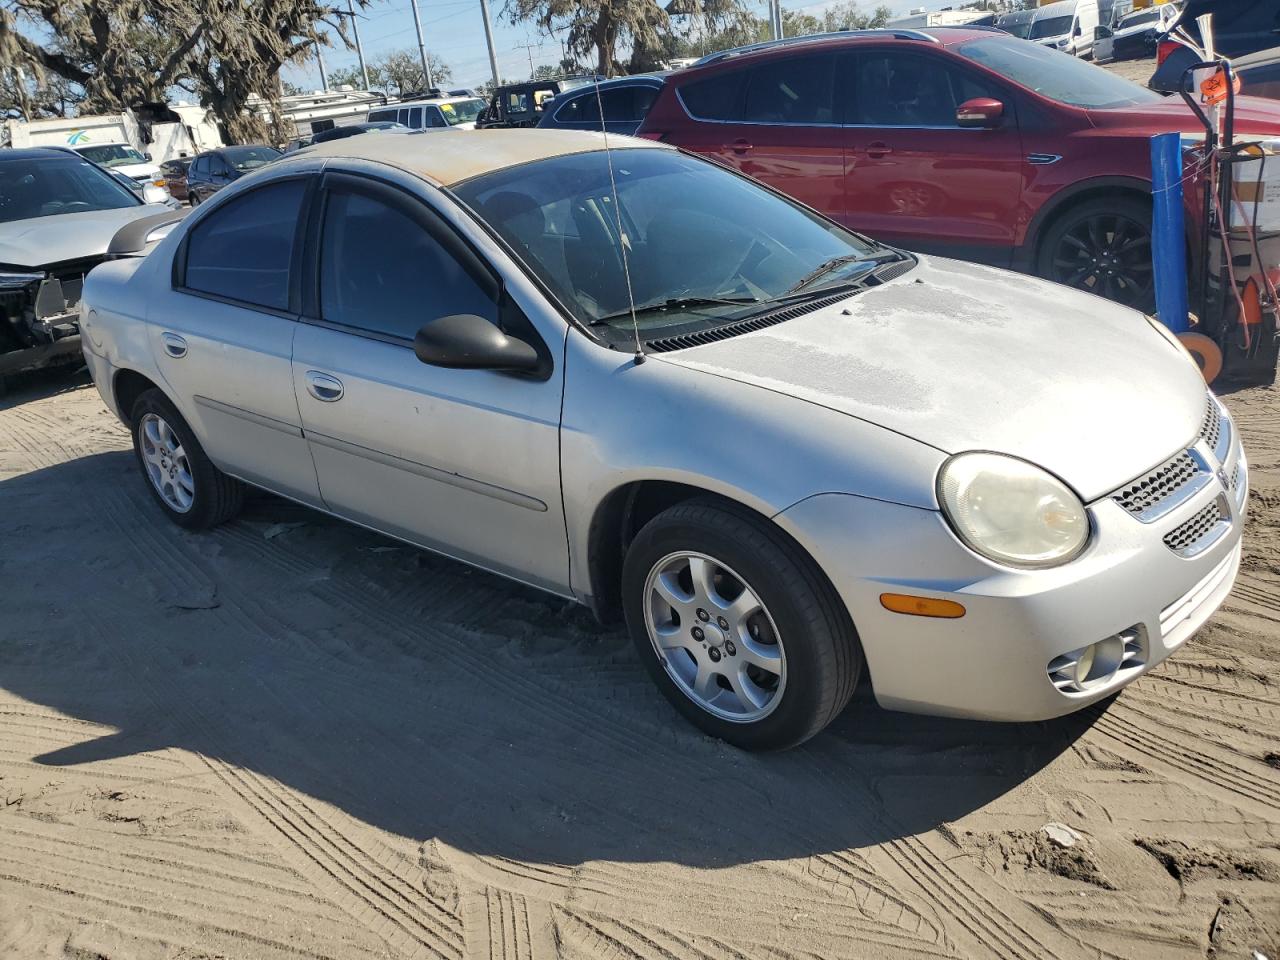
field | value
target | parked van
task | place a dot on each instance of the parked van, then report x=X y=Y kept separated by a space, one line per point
x=1067 y=25
x=433 y=113
x=1017 y=23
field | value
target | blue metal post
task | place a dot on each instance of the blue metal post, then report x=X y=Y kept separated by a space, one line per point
x=1168 y=237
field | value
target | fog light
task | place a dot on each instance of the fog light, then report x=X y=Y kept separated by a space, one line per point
x=1098 y=664
x=1085 y=664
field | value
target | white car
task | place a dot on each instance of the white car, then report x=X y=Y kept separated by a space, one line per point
x=434 y=113
x=787 y=454
x=122 y=158
x=1135 y=34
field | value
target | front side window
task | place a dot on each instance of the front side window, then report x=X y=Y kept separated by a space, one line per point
x=47 y=186
x=1056 y=75
x=893 y=89
x=434 y=117
x=799 y=90
x=381 y=270
x=696 y=234
x=243 y=249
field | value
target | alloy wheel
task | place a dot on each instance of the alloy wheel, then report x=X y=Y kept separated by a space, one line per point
x=166 y=463
x=714 y=637
x=1107 y=254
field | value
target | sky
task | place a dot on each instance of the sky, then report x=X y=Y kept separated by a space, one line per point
x=454 y=31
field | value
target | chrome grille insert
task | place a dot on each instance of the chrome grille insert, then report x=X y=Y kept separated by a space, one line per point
x=1202 y=531
x=1163 y=488
x=1215 y=431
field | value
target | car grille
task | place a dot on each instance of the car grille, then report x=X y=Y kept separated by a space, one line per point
x=1150 y=494
x=1198 y=534
x=1212 y=432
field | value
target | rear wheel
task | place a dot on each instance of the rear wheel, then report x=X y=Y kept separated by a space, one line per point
x=192 y=492
x=1102 y=246
x=737 y=626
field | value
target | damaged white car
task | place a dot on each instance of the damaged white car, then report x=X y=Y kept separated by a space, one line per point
x=58 y=215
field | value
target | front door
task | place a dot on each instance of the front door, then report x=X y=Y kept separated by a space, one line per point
x=223 y=332
x=465 y=462
x=914 y=176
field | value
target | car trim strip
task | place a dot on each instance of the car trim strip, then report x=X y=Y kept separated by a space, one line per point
x=263 y=421
x=431 y=473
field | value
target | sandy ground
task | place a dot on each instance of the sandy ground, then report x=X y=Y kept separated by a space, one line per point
x=293 y=738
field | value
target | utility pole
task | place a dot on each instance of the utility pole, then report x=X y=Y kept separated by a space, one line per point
x=528 y=48
x=488 y=38
x=355 y=30
x=324 y=79
x=422 y=47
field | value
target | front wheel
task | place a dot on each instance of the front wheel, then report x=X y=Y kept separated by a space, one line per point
x=1102 y=246
x=738 y=626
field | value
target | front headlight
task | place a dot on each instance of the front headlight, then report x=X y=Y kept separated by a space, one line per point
x=1011 y=511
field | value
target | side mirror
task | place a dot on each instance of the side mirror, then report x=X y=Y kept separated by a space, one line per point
x=980 y=112
x=465 y=341
x=1078 y=31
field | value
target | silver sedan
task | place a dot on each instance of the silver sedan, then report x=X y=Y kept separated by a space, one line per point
x=789 y=456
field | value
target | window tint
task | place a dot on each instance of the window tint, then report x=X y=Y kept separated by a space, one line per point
x=382 y=271
x=434 y=117
x=379 y=116
x=1056 y=75
x=716 y=98
x=796 y=90
x=243 y=249
x=903 y=90
x=199 y=165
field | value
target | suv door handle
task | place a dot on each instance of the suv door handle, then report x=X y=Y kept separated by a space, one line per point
x=174 y=345
x=739 y=146
x=324 y=387
x=878 y=148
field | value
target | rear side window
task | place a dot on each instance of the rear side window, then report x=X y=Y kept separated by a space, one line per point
x=798 y=90
x=715 y=98
x=382 y=271
x=378 y=116
x=243 y=249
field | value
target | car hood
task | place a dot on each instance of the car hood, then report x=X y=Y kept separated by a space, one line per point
x=963 y=357
x=67 y=236
x=1253 y=115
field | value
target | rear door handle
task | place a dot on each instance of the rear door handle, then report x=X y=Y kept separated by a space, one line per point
x=174 y=345
x=739 y=146
x=324 y=387
x=878 y=148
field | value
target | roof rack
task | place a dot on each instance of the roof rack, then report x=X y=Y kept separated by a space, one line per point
x=833 y=35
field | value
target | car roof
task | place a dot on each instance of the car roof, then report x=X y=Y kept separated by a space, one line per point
x=946 y=36
x=448 y=157
x=421 y=100
x=34 y=153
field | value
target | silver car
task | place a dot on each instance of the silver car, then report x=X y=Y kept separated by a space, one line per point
x=786 y=454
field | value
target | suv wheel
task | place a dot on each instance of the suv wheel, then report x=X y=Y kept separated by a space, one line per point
x=737 y=626
x=183 y=480
x=1102 y=246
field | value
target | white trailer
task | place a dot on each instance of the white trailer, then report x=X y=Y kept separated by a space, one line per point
x=161 y=141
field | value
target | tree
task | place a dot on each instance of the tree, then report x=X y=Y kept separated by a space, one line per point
x=120 y=53
x=402 y=70
x=596 y=28
x=347 y=77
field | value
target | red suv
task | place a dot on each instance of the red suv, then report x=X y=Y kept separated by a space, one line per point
x=957 y=141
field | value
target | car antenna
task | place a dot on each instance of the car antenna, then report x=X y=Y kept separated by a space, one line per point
x=623 y=243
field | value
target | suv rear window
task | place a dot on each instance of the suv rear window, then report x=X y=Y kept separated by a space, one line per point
x=715 y=98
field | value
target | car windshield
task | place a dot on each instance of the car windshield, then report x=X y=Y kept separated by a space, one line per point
x=461 y=111
x=1019 y=29
x=33 y=187
x=1056 y=75
x=245 y=159
x=703 y=245
x=111 y=154
x=1049 y=27
x=1136 y=19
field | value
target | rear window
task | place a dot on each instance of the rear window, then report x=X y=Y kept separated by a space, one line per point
x=715 y=98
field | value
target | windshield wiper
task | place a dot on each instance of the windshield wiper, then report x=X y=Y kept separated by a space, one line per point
x=675 y=303
x=887 y=256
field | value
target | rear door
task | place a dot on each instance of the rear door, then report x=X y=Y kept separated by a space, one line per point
x=222 y=335
x=914 y=176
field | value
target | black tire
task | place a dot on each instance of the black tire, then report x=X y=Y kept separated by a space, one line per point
x=216 y=497
x=1102 y=246
x=823 y=657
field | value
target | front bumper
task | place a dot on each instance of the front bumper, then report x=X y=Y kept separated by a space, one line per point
x=994 y=662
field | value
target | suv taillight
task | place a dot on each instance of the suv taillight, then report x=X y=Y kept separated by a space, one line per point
x=1165 y=48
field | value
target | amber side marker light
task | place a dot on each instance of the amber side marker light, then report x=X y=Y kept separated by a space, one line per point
x=921 y=606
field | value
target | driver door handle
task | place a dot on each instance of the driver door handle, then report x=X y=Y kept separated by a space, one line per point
x=324 y=387
x=878 y=148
